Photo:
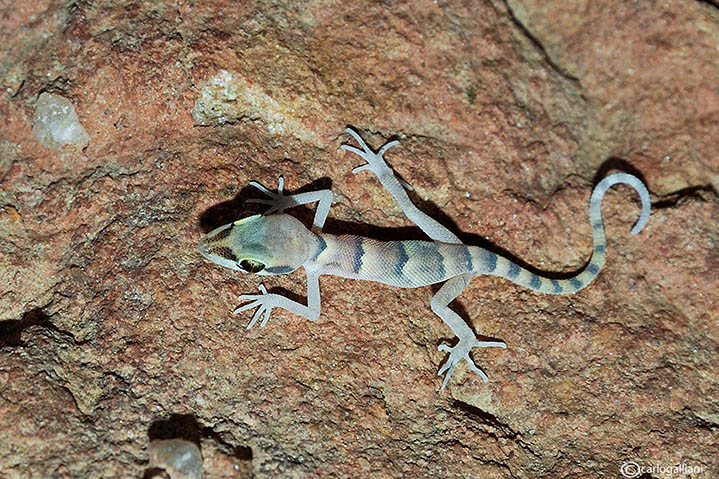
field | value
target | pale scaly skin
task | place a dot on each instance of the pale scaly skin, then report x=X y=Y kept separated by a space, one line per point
x=276 y=243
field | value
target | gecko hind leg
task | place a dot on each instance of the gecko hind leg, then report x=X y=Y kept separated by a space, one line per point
x=466 y=337
x=376 y=163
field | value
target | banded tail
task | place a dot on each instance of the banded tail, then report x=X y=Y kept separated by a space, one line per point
x=521 y=276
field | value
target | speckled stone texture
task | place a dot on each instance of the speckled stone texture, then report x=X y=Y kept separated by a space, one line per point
x=115 y=332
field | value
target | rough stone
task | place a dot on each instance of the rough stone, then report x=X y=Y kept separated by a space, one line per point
x=113 y=327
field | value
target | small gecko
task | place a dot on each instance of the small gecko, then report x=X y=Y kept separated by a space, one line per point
x=276 y=243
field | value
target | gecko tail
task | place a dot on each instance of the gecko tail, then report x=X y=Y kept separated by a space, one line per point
x=523 y=277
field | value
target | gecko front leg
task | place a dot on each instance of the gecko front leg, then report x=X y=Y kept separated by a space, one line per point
x=265 y=302
x=279 y=202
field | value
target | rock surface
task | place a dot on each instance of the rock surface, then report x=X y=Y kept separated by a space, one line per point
x=113 y=327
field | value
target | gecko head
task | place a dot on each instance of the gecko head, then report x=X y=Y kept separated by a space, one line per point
x=265 y=245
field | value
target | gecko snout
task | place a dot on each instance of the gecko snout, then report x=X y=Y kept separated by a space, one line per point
x=202 y=248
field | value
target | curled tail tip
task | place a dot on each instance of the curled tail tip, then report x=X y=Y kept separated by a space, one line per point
x=639 y=186
x=646 y=206
x=642 y=221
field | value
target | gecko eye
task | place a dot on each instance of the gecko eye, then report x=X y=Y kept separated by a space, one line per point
x=251 y=266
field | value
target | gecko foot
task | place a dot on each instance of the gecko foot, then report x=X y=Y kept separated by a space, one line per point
x=375 y=161
x=461 y=351
x=278 y=202
x=264 y=303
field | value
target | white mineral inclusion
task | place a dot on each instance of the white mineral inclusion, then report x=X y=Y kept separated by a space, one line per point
x=217 y=102
x=55 y=123
x=229 y=97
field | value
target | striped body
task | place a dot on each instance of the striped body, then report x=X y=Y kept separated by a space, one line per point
x=406 y=264
x=412 y=264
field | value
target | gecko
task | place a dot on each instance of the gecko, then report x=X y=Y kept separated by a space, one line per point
x=276 y=243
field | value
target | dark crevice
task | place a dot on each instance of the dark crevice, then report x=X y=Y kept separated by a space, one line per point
x=11 y=331
x=702 y=423
x=699 y=422
x=711 y=3
x=473 y=412
x=155 y=473
x=241 y=453
x=238 y=207
x=615 y=163
x=185 y=426
x=177 y=426
x=691 y=193
x=538 y=45
x=701 y=193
